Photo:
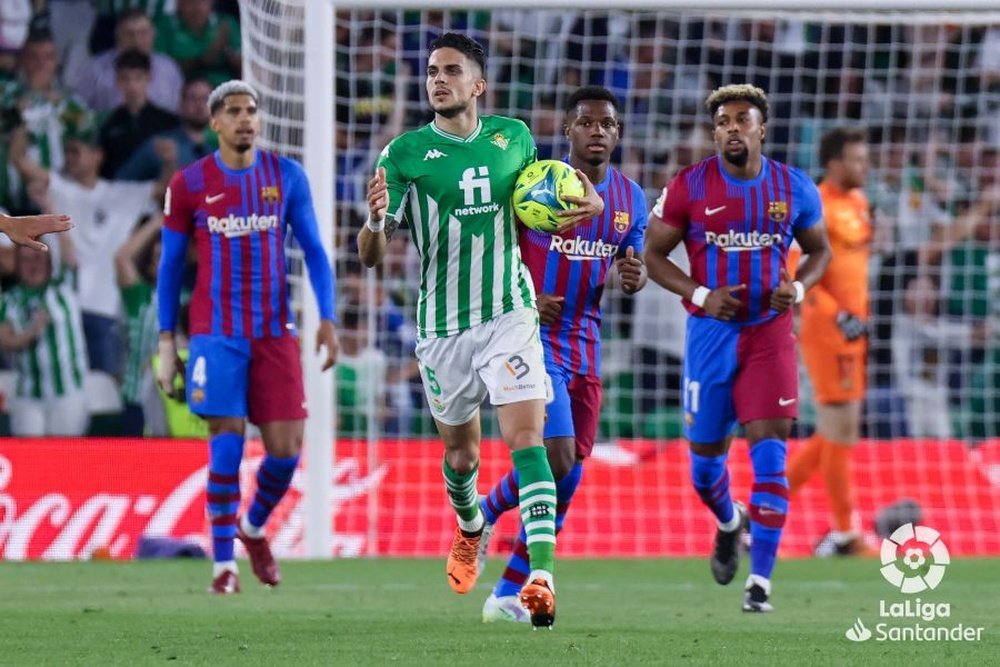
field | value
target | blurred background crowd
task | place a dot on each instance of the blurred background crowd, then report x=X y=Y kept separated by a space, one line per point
x=102 y=100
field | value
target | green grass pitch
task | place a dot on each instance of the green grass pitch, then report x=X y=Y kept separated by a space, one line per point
x=401 y=612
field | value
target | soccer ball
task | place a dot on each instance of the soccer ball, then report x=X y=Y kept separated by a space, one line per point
x=539 y=192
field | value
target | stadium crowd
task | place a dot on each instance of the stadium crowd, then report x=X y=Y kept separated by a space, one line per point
x=94 y=121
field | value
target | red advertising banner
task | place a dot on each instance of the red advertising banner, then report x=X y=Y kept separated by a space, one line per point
x=65 y=499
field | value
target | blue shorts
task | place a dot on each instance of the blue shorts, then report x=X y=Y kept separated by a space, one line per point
x=737 y=374
x=575 y=408
x=259 y=379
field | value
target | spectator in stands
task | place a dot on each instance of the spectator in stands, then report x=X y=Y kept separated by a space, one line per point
x=136 y=265
x=40 y=324
x=104 y=212
x=204 y=43
x=97 y=83
x=178 y=147
x=361 y=372
x=34 y=105
x=395 y=338
x=111 y=13
x=137 y=119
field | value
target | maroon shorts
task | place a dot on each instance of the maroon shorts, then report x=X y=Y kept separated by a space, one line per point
x=275 y=392
x=767 y=382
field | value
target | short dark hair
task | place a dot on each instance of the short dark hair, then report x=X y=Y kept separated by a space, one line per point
x=133 y=59
x=598 y=93
x=832 y=143
x=740 y=92
x=131 y=15
x=468 y=46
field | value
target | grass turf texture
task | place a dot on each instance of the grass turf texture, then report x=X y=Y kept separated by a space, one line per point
x=378 y=612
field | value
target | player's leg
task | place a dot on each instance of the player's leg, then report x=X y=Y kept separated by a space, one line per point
x=454 y=392
x=277 y=406
x=709 y=418
x=766 y=397
x=512 y=368
x=558 y=434
x=216 y=390
x=840 y=425
x=820 y=350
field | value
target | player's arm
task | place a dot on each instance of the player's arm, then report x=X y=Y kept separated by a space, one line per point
x=306 y=230
x=126 y=270
x=374 y=237
x=178 y=223
x=667 y=228
x=631 y=268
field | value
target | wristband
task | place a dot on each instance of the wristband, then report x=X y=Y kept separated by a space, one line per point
x=375 y=227
x=699 y=295
x=800 y=291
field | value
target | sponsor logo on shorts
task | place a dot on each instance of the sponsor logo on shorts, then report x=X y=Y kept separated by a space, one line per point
x=785 y=402
x=517 y=366
x=518 y=387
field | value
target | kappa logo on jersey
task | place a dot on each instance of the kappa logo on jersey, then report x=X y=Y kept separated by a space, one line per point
x=578 y=249
x=622 y=220
x=434 y=154
x=236 y=225
x=733 y=241
x=777 y=210
x=270 y=194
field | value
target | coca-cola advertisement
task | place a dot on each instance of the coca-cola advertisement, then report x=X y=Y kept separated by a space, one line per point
x=84 y=498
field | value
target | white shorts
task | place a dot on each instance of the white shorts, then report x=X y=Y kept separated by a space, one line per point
x=65 y=415
x=503 y=357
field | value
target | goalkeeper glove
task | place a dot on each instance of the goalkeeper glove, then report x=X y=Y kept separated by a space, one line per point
x=852 y=326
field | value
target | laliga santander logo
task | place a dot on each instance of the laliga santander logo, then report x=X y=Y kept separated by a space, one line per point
x=914 y=558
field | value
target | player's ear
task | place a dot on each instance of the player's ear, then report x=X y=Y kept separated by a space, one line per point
x=479 y=88
x=763 y=132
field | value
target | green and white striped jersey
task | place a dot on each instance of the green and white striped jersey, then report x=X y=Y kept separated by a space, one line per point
x=55 y=364
x=455 y=195
x=143 y=329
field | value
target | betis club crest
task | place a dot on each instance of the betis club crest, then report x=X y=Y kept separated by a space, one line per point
x=777 y=210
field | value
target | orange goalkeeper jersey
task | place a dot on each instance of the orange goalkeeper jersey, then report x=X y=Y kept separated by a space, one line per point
x=844 y=286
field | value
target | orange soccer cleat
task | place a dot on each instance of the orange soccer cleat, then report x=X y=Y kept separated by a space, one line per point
x=537 y=597
x=463 y=562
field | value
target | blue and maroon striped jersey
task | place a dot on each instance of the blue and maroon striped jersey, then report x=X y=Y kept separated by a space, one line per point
x=574 y=265
x=239 y=220
x=739 y=232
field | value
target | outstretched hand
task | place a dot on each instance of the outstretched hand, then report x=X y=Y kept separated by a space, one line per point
x=25 y=230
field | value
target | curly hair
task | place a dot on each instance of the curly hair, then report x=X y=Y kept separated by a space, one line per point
x=738 y=92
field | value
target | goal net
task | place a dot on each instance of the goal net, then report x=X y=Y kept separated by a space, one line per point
x=925 y=88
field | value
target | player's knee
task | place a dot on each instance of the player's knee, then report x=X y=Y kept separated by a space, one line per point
x=462 y=460
x=709 y=449
x=220 y=425
x=561 y=455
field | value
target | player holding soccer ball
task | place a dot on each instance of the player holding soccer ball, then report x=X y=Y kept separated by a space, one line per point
x=452 y=181
x=569 y=271
x=737 y=213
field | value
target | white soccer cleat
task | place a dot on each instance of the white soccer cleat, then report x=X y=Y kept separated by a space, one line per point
x=507 y=608
x=484 y=545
